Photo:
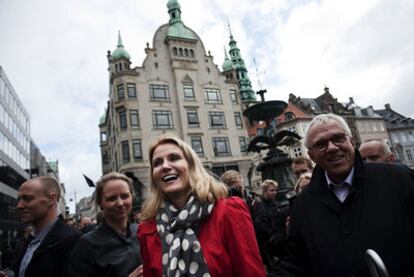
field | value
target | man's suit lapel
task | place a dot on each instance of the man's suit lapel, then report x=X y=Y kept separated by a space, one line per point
x=50 y=240
x=324 y=194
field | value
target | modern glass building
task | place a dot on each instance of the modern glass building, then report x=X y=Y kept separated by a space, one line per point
x=14 y=154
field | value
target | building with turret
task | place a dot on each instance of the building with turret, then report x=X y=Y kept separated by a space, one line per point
x=178 y=89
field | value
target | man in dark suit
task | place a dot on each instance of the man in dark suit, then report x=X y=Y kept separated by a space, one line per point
x=46 y=253
x=349 y=206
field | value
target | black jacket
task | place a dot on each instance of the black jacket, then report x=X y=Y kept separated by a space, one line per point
x=103 y=252
x=270 y=219
x=329 y=238
x=269 y=224
x=50 y=258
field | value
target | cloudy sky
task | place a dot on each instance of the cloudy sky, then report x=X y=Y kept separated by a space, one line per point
x=54 y=53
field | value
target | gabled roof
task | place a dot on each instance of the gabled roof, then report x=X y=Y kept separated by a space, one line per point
x=312 y=104
x=293 y=110
x=395 y=120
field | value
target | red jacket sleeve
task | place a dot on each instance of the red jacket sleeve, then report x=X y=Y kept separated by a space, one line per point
x=241 y=239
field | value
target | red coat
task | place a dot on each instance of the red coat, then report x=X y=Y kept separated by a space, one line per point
x=227 y=240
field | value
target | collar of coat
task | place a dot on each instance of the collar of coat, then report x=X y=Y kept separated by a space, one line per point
x=52 y=237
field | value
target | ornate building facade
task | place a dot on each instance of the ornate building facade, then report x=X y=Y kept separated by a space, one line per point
x=178 y=89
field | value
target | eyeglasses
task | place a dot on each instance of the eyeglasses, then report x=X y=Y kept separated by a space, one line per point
x=337 y=140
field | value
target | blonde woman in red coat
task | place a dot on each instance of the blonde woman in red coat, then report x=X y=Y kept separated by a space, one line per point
x=189 y=227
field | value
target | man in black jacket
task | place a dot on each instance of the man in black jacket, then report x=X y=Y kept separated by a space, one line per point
x=269 y=222
x=349 y=207
x=46 y=254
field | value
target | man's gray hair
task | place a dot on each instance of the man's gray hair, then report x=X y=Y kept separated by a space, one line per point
x=324 y=119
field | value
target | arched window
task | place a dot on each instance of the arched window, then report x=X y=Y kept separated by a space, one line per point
x=175 y=51
x=289 y=115
x=191 y=53
x=186 y=52
x=180 y=52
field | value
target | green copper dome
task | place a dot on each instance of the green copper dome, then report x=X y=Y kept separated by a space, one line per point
x=173 y=4
x=120 y=51
x=227 y=64
x=177 y=28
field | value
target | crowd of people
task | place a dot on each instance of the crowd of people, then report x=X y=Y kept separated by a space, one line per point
x=192 y=224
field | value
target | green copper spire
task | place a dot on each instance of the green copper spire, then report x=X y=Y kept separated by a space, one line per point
x=227 y=65
x=103 y=117
x=246 y=91
x=120 y=51
x=174 y=9
x=177 y=28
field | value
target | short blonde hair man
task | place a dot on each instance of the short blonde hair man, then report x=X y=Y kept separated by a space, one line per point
x=267 y=184
x=231 y=178
x=269 y=189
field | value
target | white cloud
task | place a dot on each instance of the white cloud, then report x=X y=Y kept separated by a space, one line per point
x=54 y=53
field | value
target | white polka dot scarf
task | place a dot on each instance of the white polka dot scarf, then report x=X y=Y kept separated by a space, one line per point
x=182 y=255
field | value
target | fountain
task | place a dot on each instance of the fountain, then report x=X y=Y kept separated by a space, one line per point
x=276 y=165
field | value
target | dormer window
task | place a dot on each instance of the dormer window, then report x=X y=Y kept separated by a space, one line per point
x=289 y=116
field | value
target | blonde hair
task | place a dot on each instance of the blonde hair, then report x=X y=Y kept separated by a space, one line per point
x=109 y=177
x=302 y=177
x=202 y=184
x=267 y=183
x=229 y=176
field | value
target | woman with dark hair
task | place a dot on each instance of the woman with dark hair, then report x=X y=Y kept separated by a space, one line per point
x=189 y=227
x=112 y=249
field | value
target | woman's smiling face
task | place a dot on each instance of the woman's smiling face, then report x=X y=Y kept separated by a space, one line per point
x=170 y=171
